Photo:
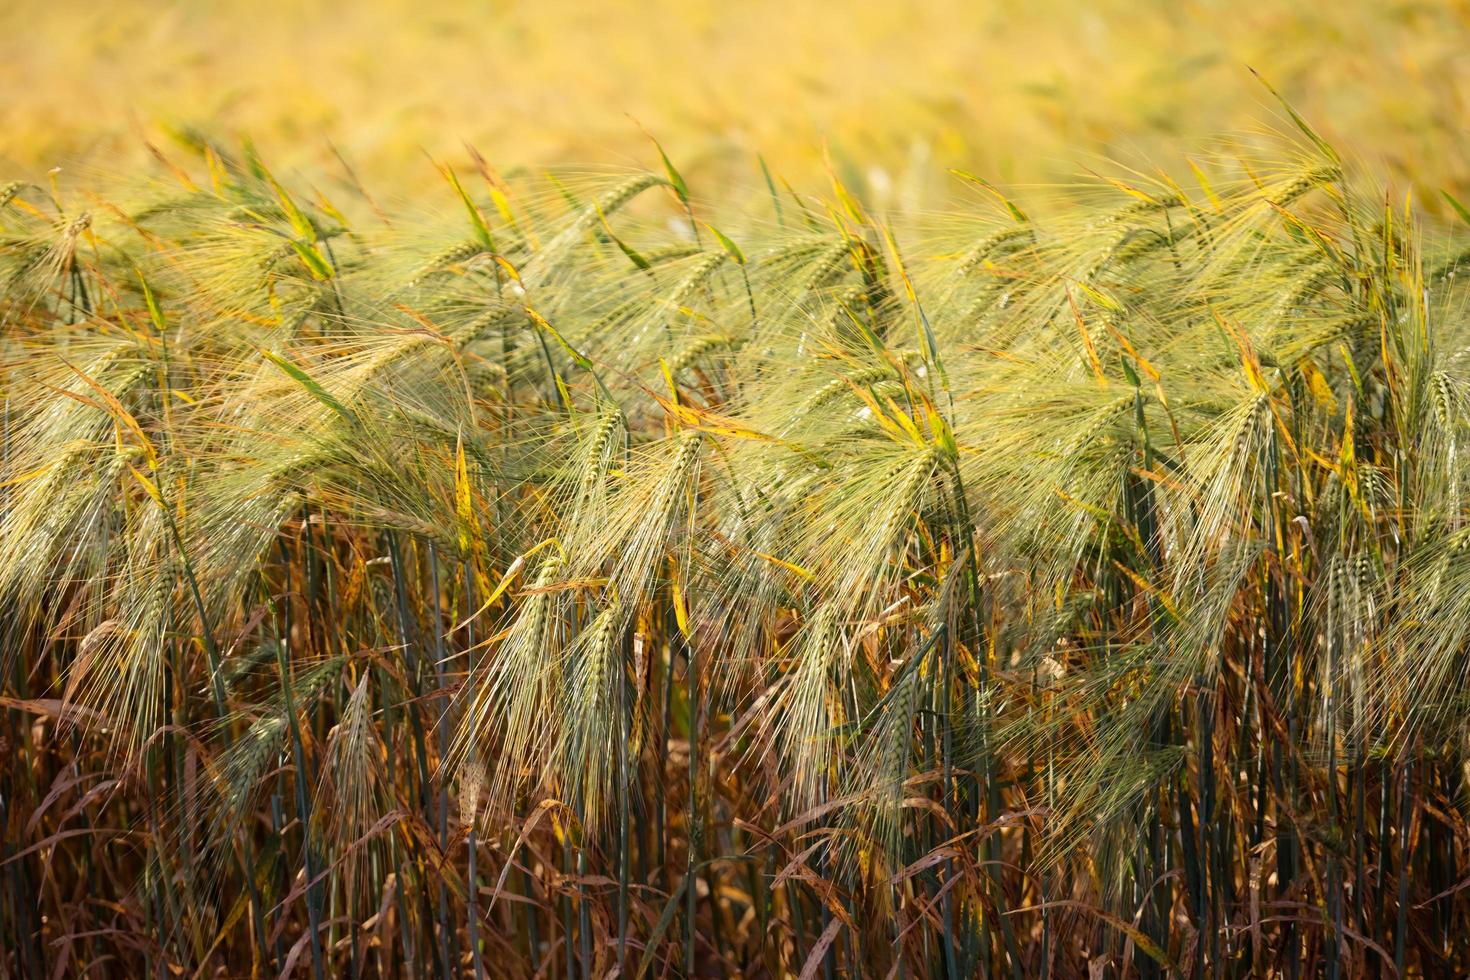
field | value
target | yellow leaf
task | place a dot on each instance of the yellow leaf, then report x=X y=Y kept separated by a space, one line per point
x=24 y=477
x=118 y=412
x=510 y=270
x=1320 y=389
x=1092 y=357
x=804 y=573
x=1100 y=298
x=505 y=580
x=462 y=501
x=669 y=379
x=1146 y=586
x=516 y=567
x=1204 y=183
x=681 y=614
x=147 y=485
x=902 y=418
x=1248 y=359
x=1139 y=359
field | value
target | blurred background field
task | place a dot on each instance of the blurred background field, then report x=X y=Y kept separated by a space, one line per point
x=1018 y=90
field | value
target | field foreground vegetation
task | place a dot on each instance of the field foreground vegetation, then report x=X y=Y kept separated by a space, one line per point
x=586 y=577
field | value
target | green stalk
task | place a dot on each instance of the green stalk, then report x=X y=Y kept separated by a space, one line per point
x=566 y=909
x=217 y=688
x=298 y=758
x=1401 y=927
x=624 y=814
x=413 y=669
x=473 y=884
x=447 y=938
x=695 y=827
x=986 y=774
x=473 y=913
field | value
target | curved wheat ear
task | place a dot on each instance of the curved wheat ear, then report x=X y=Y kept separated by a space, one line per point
x=10 y=190
x=1134 y=209
x=793 y=253
x=543 y=263
x=804 y=715
x=697 y=276
x=40 y=534
x=1003 y=241
x=588 y=512
x=588 y=743
x=442 y=261
x=1225 y=482
x=352 y=776
x=996 y=293
x=1446 y=400
x=702 y=346
x=461 y=336
x=1144 y=242
x=607 y=204
x=292 y=321
x=843 y=301
x=826 y=267
x=508 y=693
x=405 y=353
x=625 y=192
x=1302 y=183
x=1103 y=418
x=672 y=253
x=1339 y=328
x=641 y=528
x=1302 y=286
x=840 y=386
x=889 y=754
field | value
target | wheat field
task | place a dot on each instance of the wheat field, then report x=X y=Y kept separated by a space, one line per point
x=674 y=491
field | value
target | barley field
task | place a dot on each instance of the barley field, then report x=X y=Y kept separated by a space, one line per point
x=785 y=490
